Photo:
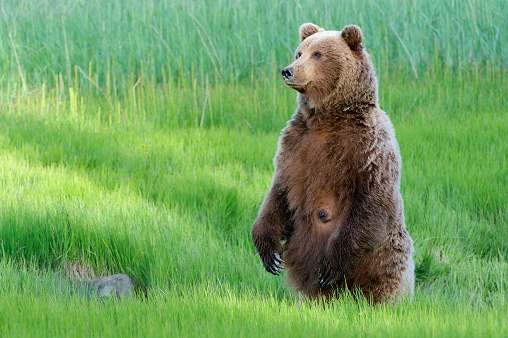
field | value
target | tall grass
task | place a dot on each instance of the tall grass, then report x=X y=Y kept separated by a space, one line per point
x=141 y=139
x=232 y=40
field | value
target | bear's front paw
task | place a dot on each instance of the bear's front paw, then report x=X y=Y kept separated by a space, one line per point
x=270 y=253
x=328 y=273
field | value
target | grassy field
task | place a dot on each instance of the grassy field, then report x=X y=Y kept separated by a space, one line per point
x=138 y=137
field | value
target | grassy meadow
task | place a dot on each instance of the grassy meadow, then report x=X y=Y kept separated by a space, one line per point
x=138 y=137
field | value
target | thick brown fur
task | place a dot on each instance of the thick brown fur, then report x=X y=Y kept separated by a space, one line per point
x=335 y=197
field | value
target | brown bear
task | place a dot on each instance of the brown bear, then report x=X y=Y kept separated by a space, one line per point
x=334 y=214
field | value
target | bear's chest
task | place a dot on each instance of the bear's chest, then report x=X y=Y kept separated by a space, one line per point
x=312 y=166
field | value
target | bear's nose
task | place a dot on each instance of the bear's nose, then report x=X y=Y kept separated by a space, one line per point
x=288 y=73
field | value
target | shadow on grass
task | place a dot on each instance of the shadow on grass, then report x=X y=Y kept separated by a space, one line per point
x=208 y=237
x=159 y=174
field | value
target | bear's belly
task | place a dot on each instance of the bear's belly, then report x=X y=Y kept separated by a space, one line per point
x=384 y=272
x=317 y=194
x=313 y=173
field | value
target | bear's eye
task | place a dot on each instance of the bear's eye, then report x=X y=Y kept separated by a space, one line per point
x=317 y=55
x=298 y=55
x=324 y=216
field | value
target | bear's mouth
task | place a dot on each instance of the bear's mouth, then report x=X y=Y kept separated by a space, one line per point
x=297 y=86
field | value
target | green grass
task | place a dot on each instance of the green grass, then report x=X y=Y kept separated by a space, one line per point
x=232 y=40
x=215 y=309
x=144 y=148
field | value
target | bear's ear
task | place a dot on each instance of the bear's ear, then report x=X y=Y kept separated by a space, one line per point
x=307 y=29
x=353 y=36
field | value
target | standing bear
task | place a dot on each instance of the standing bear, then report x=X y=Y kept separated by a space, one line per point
x=334 y=214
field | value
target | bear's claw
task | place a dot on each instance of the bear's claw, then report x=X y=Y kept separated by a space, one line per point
x=325 y=277
x=274 y=264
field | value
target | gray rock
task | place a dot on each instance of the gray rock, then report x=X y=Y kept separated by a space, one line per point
x=119 y=285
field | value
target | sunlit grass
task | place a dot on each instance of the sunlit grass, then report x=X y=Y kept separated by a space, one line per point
x=213 y=309
x=171 y=204
x=142 y=141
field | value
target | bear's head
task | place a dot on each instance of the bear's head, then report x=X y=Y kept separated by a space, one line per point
x=332 y=68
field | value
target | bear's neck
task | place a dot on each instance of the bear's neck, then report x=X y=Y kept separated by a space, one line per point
x=338 y=106
x=351 y=97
